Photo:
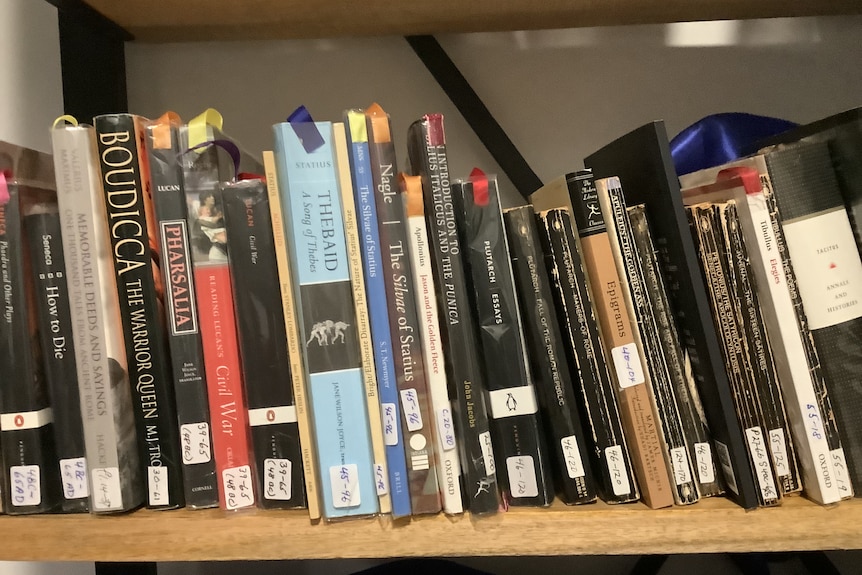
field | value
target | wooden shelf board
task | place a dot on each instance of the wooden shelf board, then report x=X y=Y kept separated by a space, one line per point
x=196 y=20
x=710 y=526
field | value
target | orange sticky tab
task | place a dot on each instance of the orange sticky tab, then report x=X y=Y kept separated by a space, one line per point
x=379 y=124
x=749 y=178
x=162 y=130
x=411 y=187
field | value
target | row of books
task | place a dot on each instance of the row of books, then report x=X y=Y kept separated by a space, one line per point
x=321 y=330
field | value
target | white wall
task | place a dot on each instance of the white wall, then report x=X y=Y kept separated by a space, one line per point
x=559 y=94
x=31 y=87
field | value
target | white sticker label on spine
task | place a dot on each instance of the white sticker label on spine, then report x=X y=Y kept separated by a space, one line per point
x=572 y=457
x=627 y=363
x=25 y=487
x=681 y=468
x=758 y=450
x=390 y=423
x=271 y=415
x=724 y=459
x=842 y=479
x=276 y=479
x=487 y=453
x=522 y=476
x=74 y=475
x=446 y=429
x=617 y=470
x=157 y=485
x=26 y=420
x=107 y=489
x=195 y=442
x=513 y=401
x=705 y=470
x=381 y=481
x=344 y=485
x=779 y=452
x=238 y=488
x=410 y=405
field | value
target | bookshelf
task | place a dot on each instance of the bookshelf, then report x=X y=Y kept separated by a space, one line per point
x=710 y=526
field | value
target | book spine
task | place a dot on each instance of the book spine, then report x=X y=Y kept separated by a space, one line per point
x=573 y=474
x=585 y=349
x=375 y=289
x=48 y=270
x=184 y=338
x=113 y=465
x=31 y=473
x=761 y=358
x=828 y=270
x=128 y=200
x=363 y=324
x=326 y=315
x=647 y=340
x=215 y=301
x=514 y=409
x=404 y=325
x=448 y=466
x=706 y=223
x=427 y=150
x=263 y=347
x=691 y=411
x=622 y=354
x=297 y=371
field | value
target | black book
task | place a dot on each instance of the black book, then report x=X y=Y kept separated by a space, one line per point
x=31 y=475
x=263 y=346
x=416 y=412
x=121 y=143
x=426 y=146
x=609 y=452
x=190 y=386
x=48 y=270
x=642 y=161
x=515 y=421
x=555 y=387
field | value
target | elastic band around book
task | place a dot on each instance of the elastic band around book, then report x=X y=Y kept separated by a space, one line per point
x=306 y=130
x=4 y=187
x=748 y=176
x=480 y=187
x=198 y=132
x=225 y=145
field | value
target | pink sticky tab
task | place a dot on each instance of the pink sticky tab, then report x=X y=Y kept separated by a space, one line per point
x=4 y=187
x=480 y=187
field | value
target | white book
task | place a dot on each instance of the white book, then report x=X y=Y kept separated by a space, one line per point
x=780 y=318
x=449 y=469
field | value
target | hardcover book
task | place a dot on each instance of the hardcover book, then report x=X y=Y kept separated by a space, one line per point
x=584 y=349
x=511 y=392
x=48 y=272
x=578 y=193
x=378 y=310
x=113 y=466
x=642 y=161
x=427 y=150
x=448 y=466
x=204 y=171
x=294 y=353
x=404 y=325
x=131 y=219
x=647 y=340
x=279 y=480
x=326 y=316
x=692 y=416
x=573 y=475
x=186 y=347
x=31 y=473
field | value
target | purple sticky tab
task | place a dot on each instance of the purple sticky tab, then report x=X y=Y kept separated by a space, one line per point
x=226 y=145
x=305 y=128
x=4 y=187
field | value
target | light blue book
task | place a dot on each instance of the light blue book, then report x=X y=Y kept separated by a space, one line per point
x=375 y=292
x=314 y=231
